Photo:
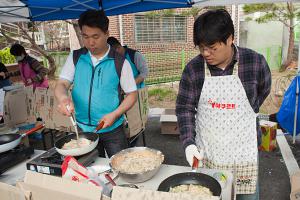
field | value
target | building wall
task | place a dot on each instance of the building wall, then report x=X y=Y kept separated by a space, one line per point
x=74 y=43
x=257 y=37
x=165 y=59
x=114 y=26
x=129 y=38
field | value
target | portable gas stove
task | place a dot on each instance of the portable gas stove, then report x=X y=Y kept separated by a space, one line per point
x=12 y=157
x=50 y=162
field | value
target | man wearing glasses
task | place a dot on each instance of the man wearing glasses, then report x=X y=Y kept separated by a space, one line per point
x=220 y=93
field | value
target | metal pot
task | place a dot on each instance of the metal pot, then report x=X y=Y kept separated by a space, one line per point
x=135 y=177
x=191 y=178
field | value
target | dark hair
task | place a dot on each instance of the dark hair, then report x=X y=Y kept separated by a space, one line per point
x=17 y=50
x=94 y=18
x=112 y=41
x=213 y=26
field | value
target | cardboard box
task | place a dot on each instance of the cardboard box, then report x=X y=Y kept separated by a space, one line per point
x=18 y=107
x=295 y=186
x=9 y=192
x=37 y=186
x=50 y=115
x=137 y=116
x=39 y=97
x=268 y=137
x=168 y=122
x=23 y=106
x=144 y=105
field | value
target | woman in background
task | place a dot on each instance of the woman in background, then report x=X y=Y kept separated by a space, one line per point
x=4 y=80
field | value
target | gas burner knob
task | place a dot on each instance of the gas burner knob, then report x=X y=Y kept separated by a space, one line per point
x=32 y=168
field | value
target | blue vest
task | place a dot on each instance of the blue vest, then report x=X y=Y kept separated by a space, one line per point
x=95 y=92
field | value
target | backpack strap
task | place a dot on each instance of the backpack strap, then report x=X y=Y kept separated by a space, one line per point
x=77 y=53
x=119 y=62
x=131 y=53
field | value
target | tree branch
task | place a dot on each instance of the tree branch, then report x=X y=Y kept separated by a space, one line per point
x=7 y=37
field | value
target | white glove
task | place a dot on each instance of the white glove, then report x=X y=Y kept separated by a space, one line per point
x=191 y=151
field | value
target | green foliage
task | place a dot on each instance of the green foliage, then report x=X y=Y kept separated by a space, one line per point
x=160 y=13
x=266 y=18
x=261 y=7
x=247 y=19
x=160 y=93
x=194 y=11
x=152 y=14
x=168 y=13
x=215 y=7
x=273 y=12
x=191 y=12
x=6 y=57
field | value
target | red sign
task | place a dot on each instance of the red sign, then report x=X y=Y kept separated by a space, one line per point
x=217 y=105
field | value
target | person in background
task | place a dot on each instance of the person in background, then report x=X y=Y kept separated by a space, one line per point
x=30 y=69
x=136 y=59
x=94 y=71
x=220 y=92
x=4 y=80
x=140 y=71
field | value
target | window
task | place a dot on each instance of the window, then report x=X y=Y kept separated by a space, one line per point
x=162 y=29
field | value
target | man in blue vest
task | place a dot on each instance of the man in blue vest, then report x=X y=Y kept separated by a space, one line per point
x=136 y=59
x=97 y=73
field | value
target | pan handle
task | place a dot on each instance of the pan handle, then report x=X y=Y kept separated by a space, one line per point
x=108 y=177
x=195 y=163
x=30 y=131
x=100 y=125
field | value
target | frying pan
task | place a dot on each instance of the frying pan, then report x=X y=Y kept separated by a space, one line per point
x=11 y=140
x=191 y=178
x=77 y=151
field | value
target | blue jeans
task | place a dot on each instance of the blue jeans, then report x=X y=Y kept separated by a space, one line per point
x=112 y=142
x=4 y=82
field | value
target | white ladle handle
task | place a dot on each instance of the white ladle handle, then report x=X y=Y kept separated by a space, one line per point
x=74 y=124
x=71 y=117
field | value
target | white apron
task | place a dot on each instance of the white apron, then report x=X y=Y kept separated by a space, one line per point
x=226 y=129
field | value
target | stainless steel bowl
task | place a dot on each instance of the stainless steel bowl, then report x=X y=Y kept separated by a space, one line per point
x=136 y=177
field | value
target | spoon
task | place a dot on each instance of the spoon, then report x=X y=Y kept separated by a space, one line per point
x=74 y=123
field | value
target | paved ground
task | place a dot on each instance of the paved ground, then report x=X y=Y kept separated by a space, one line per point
x=274 y=179
x=295 y=147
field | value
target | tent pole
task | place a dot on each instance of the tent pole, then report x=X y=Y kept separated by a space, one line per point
x=298 y=56
x=100 y=5
x=297 y=98
x=296 y=109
